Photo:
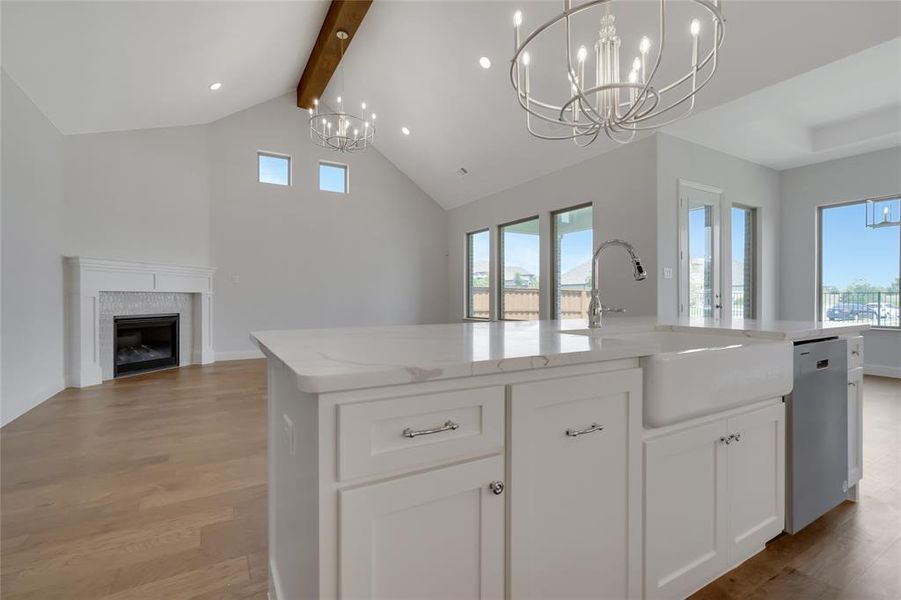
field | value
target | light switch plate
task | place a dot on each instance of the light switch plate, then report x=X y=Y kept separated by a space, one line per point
x=667 y=273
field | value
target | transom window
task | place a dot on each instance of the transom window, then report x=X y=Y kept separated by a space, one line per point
x=273 y=168
x=333 y=177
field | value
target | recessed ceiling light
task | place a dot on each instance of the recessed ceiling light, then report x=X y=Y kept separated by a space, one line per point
x=215 y=86
x=405 y=131
x=485 y=62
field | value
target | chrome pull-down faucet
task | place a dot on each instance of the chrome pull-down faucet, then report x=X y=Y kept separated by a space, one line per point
x=595 y=309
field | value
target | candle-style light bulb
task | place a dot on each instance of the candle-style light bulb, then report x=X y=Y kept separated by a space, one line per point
x=644 y=45
x=526 y=59
x=373 y=117
x=582 y=54
x=311 y=112
x=636 y=64
x=695 y=27
x=517 y=18
x=364 y=106
x=633 y=76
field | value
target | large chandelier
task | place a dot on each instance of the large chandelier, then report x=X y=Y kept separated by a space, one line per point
x=615 y=105
x=340 y=130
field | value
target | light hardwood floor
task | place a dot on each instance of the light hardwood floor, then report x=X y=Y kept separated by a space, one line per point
x=154 y=487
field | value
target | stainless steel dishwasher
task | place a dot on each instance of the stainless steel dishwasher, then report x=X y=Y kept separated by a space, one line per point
x=817 y=429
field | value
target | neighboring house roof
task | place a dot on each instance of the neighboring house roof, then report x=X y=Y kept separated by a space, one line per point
x=578 y=275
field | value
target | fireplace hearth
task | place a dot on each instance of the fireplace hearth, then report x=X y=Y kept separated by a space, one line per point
x=145 y=343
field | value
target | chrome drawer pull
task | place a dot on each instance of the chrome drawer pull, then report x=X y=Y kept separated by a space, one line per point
x=590 y=429
x=448 y=426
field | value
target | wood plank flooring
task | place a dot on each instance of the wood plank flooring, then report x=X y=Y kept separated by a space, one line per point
x=154 y=487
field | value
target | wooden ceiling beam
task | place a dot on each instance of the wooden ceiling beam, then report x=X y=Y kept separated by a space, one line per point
x=343 y=15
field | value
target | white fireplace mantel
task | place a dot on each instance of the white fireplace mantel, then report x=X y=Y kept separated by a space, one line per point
x=85 y=278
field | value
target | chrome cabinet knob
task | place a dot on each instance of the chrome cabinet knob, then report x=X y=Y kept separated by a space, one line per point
x=496 y=487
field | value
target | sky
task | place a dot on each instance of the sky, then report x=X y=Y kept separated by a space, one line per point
x=853 y=251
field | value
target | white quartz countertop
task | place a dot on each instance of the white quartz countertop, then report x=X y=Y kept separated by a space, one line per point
x=352 y=358
x=327 y=360
x=771 y=329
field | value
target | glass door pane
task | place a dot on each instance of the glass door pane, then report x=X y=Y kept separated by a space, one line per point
x=699 y=245
x=519 y=252
x=700 y=260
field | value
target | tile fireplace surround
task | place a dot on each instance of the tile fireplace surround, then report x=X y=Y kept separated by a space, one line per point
x=130 y=282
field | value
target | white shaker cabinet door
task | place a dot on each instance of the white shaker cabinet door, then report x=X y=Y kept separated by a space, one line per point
x=756 y=480
x=575 y=499
x=685 y=510
x=434 y=535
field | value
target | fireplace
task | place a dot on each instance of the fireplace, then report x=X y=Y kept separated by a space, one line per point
x=145 y=343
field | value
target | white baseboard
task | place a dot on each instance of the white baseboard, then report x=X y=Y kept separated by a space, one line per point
x=882 y=370
x=34 y=399
x=238 y=355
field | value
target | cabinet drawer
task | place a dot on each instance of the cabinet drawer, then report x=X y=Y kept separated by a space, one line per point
x=417 y=431
x=855 y=352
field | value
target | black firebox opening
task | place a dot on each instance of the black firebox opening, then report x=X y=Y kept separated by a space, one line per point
x=145 y=342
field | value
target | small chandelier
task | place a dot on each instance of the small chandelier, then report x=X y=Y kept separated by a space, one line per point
x=340 y=130
x=615 y=105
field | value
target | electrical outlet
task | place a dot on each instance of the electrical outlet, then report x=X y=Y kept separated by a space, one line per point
x=288 y=434
x=667 y=273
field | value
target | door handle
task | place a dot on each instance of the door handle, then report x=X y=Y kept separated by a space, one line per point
x=590 y=429
x=448 y=426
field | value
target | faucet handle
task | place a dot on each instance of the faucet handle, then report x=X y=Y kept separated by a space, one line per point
x=607 y=309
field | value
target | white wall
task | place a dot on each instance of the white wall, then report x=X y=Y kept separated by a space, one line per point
x=290 y=257
x=620 y=185
x=32 y=232
x=803 y=190
x=742 y=183
x=139 y=195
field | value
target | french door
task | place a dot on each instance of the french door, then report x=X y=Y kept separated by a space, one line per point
x=700 y=288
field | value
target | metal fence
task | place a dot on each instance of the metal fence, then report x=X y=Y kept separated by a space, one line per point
x=879 y=309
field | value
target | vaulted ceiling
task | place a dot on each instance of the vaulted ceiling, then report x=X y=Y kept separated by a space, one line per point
x=100 y=66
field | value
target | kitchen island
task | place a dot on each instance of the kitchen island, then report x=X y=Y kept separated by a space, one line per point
x=506 y=458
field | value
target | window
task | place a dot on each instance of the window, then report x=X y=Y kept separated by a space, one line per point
x=333 y=177
x=744 y=268
x=571 y=269
x=273 y=168
x=859 y=266
x=519 y=272
x=478 y=275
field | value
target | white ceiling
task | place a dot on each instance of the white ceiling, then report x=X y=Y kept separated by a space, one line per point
x=98 y=66
x=105 y=66
x=847 y=107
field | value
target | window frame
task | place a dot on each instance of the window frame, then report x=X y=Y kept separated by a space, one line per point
x=499 y=276
x=818 y=290
x=467 y=285
x=262 y=153
x=755 y=257
x=329 y=163
x=553 y=241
